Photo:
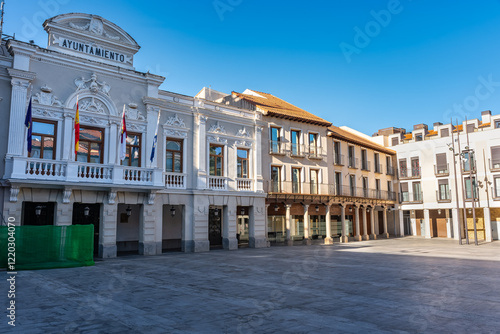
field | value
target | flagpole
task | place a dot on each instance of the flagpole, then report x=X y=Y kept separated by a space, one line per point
x=155 y=142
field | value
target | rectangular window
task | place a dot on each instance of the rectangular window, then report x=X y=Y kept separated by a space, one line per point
x=376 y=161
x=276 y=179
x=242 y=164
x=43 y=141
x=395 y=141
x=275 y=140
x=337 y=152
x=418 y=137
x=496 y=192
x=417 y=192
x=365 y=187
x=444 y=190
x=338 y=183
x=405 y=195
x=441 y=164
x=388 y=163
x=377 y=188
x=415 y=167
x=295 y=140
x=352 y=157
x=469 y=186
x=403 y=170
x=216 y=160
x=497 y=124
x=495 y=157
x=90 y=148
x=468 y=161
x=364 y=160
x=133 y=150
x=389 y=186
x=313 y=144
x=296 y=180
x=445 y=132
x=314 y=177
x=470 y=128
x=352 y=184
x=173 y=155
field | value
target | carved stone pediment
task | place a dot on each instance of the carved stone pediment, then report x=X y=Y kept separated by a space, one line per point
x=92 y=84
x=90 y=104
x=46 y=97
x=217 y=128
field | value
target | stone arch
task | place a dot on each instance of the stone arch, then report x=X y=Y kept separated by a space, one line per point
x=85 y=94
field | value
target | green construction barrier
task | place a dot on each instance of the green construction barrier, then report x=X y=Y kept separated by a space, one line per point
x=47 y=247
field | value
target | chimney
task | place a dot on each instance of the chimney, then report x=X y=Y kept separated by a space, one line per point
x=486 y=116
x=436 y=124
x=420 y=126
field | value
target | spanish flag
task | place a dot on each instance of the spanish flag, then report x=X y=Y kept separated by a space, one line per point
x=77 y=128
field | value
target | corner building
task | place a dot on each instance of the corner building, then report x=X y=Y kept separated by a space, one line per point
x=204 y=188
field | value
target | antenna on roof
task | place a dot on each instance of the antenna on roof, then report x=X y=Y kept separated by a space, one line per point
x=1 y=21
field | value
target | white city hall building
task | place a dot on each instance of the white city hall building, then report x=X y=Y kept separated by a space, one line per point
x=204 y=187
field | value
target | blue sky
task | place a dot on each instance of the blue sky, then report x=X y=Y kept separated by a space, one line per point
x=422 y=61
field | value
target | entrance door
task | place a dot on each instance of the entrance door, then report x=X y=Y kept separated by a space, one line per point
x=215 y=227
x=38 y=214
x=407 y=224
x=84 y=214
x=380 y=222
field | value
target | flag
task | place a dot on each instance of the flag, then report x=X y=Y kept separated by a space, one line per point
x=155 y=139
x=123 y=137
x=29 y=124
x=77 y=128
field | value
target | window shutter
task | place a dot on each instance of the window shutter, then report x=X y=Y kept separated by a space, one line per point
x=404 y=187
x=443 y=181
x=441 y=163
x=495 y=154
x=470 y=128
x=445 y=132
x=395 y=141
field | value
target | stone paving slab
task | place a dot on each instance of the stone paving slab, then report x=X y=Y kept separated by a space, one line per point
x=405 y=285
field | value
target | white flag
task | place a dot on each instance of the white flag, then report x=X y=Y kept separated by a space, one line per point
x=123 y=137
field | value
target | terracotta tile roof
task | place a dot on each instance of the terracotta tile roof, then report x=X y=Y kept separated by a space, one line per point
x=276 y=107
x=339 y=133
x=408 y=136
x=484 y=125
x=432 y=133
x=459 y=128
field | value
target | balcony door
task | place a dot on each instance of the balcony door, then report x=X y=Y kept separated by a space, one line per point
x=296 y=180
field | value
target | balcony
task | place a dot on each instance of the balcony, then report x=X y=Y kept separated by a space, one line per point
x=316 y=152
x=217 y=183
x=469 y=166
x=175 y=180
x=365 y=165
x=378 y=168
x=32 y=169
x=443 y=196
x=298 y=150
x=277 y=147
x=353 y=162
x=494 y=165
x=390 y=170
x=244 y=184
x=305 y=188
x=411 y=198
x=441 y=171
x=404 y=173
x=338 y=159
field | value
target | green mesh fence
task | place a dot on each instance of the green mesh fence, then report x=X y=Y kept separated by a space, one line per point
x=46 y=247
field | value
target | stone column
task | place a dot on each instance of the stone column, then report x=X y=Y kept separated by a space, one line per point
x=107 y=228
x=114 y=157
x=357 y=237
x=328 y=239
x=229 y=224
x=487 y=225
x=365 y=226
x=427 y=224
x=257 y=225
x=386 y=232
x=266 y=213
x=372 y=223
x=288 y=222
x=18 y=106
x=200 y=217
x=201 y=152
x=343 y=238
x=147 y=232
x=401 y=223
x=257 y=154
x=456 y=223
x=307 y=239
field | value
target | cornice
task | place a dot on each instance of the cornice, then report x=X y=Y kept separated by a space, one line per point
x=20 y=74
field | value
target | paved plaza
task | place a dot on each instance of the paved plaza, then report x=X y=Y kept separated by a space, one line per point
x=406 y=285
